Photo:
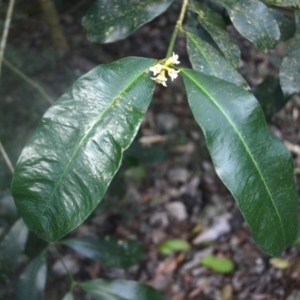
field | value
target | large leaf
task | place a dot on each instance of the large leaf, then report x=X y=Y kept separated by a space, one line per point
x=206 y=59
x=32 y=281
x=254 y=21
x=216 y=26
x=11 y=247
x=252 y=163
x=67 y=165
x=109 y=21
x=119 y=289
x=110 y=251
x=290 y=68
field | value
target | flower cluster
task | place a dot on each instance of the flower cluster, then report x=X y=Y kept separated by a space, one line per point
x=160 y=70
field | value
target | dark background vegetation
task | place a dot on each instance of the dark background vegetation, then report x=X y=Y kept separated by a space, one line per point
x=166 y=187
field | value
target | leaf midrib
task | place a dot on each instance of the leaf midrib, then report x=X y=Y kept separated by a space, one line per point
x=82 y=141
x=194 y=41
x=245 y=146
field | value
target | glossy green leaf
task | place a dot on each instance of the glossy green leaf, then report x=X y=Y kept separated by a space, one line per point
x=290 y=68
x=119 y=289
x=254 y=21
x=221 y=265
x=281 y=2
x=113 y=20
x=110 y=251
x=68 y=296
x=67 y=165
x=32 y=281
x=252 y=163
x=204 y=58
x=216 y=26
x=172 y=245
x=11 y=248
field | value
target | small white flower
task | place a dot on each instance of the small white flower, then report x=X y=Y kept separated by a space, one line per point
x=156 y=69
x=161 y=78
x=173 y=60
x=173 y=73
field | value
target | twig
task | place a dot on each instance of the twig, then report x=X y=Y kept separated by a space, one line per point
x=6 y=159
x=53 y=21
x=28 y=80
x=71 y=278
x=75 y=7
x=6 y=30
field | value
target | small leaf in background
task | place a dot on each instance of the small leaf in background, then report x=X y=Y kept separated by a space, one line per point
x=221 y=265
x=34 y=245
x=254 y=21
x=110 y=21
x=290 y=68
x=68 y=296
x=145 y=155
x=297 y=243
x=170 y=246
x=110 y=251
x=245 y=153
x=281 y=2
x=286 y=26
x=100 y=289
x=11 y=248
x=270 y=97
x=216 y=26
x=31 y=283
x=65 y=168
x=279 y=263
x=136 y=175
x=204 y=58
x=8 y=209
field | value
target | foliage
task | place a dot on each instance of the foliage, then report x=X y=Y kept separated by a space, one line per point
x=67 y=165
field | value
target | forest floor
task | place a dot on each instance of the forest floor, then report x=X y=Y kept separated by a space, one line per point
x=174 y=192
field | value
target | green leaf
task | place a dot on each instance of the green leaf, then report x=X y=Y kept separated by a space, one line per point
x=252 y=163
x=119 y=289
x=216 y=26
x=281 y=2
x=11 y=248
x=286 y=26
x=67 y=165
x=32 y=281
x=113 y=20
x=68 y=296
x=110 y=251
x=172 y=245
x=290 y=68
x=220 y=265
x=270 y=97
x=204 y=58
x=254 y=21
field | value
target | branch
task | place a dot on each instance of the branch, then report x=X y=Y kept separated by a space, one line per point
x=6 y=30
x=6 y=159
x=28 y=80
x=53 y=21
